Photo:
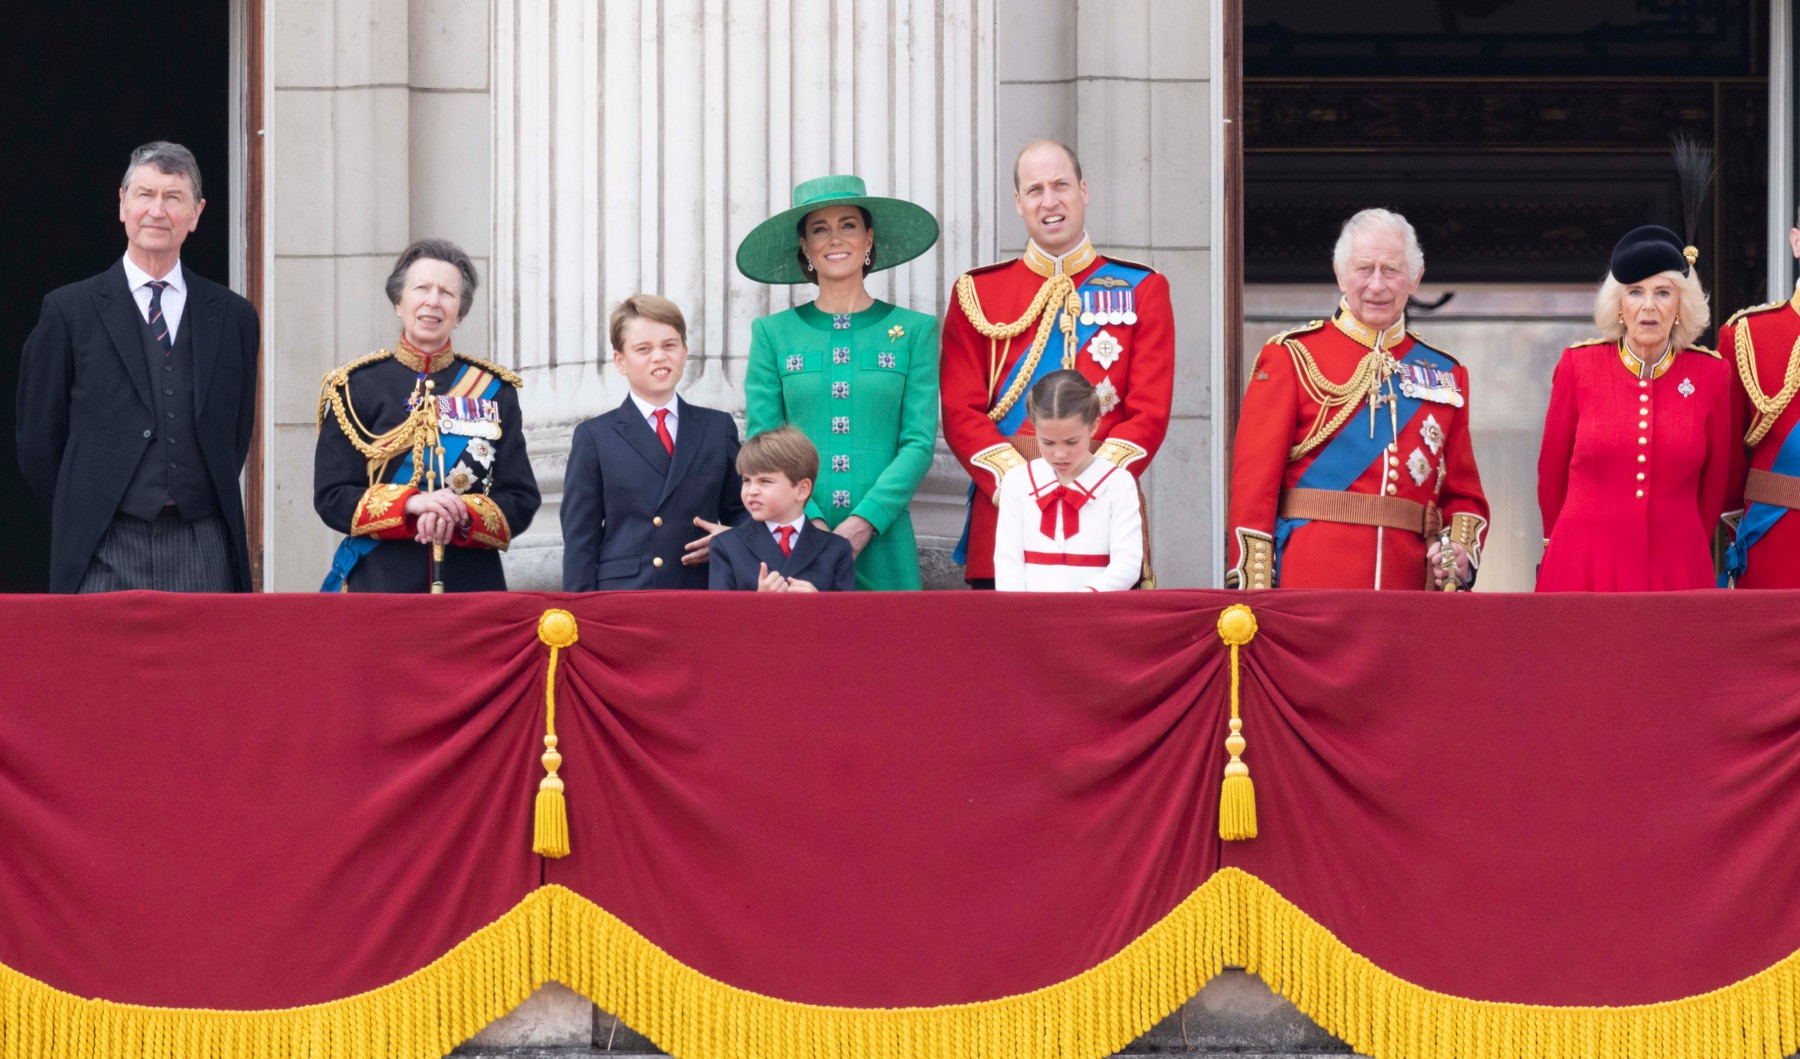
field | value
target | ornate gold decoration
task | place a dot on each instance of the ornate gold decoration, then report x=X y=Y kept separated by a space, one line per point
x=1070 y=264
x=493 y=532
x=1057 y=291
x=1256 y=561
x=1768 y=407
x=550 y=818
x=1466 y=529
x=417 y=360
x=1120 y=453
x=1364 y=335
x=997 y=460
x=495 y=370
x=896 y=333
x=1338 y=401
x=1237 y=796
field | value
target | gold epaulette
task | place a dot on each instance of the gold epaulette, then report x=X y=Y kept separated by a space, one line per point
x=1765 y=307
x=1292 y=331
x=1594 y=342
x=1414 y=335
x=339 y=377
x=1130 y=264
x=495 y=370
x=978 y=269
x=1713 y=353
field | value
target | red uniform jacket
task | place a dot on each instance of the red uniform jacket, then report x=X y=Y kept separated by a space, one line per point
x=1632 y=475
x=1131 y=362
x=1429 y=460
x=1761 y=344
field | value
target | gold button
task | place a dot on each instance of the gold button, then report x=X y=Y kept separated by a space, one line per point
x=1393 y=473
x=1641 y=457
x=1643 y=424
x=1642 y=383
x=1643 y=441
x=657 y=521
x=1640 y=494
x=1640 y=476
x=656 y=561
x=1390 y=488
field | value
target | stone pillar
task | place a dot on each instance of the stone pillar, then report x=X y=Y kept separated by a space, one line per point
x=638 y=143
x=380 y=135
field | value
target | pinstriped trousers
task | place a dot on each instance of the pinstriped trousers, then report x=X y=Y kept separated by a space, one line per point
x=165 y=554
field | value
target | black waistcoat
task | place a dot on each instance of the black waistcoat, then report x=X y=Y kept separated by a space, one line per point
x=172 y=468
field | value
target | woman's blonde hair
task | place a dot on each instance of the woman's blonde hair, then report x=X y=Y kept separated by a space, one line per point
x=1691 y=321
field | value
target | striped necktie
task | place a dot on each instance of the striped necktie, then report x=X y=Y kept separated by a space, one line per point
x=158 y=325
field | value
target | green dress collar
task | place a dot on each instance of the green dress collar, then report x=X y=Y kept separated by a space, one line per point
x=821 y=321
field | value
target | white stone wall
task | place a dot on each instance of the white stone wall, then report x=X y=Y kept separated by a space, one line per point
x=380 y=133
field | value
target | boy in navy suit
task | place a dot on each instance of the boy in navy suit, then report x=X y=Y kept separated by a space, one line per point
x=780 y=551
x=644 y=476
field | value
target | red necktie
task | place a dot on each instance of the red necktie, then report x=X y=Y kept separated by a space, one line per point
x=662 y=429
x=787 y=539
x=1071 y=501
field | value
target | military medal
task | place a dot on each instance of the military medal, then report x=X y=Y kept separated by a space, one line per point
x=1116 y=316
x=1130 y=307
x=469 y=417
x=1087 y=308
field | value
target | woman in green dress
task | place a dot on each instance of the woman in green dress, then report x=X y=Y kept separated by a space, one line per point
x=857 y=376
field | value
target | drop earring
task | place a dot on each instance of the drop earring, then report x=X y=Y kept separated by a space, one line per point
x=868 y=257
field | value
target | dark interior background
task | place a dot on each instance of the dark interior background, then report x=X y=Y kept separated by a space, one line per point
x=88 y=82
x=1521 y=137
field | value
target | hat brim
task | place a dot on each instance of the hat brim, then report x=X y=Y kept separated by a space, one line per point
x=903 y=231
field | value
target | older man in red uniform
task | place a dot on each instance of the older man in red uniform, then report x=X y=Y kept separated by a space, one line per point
x=1060 y=306
x=1352 y=453
x=1764 y=343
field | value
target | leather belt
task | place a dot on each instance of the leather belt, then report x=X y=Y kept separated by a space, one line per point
x=1767 y=487
x=1364 y=509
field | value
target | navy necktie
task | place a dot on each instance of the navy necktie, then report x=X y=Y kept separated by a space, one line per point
x=158 y=325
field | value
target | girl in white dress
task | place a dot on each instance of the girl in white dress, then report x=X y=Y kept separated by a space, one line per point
x=1068 y=522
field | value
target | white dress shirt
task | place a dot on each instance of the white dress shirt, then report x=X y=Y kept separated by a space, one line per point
x=648 y=411
x=798 y=526
x=174 y=296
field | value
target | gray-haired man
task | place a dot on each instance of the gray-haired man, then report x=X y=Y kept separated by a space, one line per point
x=137 y=395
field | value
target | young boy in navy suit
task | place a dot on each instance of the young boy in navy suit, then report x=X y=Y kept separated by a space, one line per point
x=644 y=477
x=780 y=551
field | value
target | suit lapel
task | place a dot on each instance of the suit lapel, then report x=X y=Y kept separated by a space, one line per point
x=120 y=312
x=637 y=433
x=203 y=315
x=810 y=545
x=690 y=436
x=762 y=544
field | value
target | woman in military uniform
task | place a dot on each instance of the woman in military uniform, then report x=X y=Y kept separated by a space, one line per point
x=421 y=454
x=857 y=376
x=1637 y=446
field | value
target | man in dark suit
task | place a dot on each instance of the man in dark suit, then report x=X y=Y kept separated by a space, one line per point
x=649 y=483
x=137 y=395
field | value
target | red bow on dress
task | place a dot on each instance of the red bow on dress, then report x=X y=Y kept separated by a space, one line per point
x=1071 y=501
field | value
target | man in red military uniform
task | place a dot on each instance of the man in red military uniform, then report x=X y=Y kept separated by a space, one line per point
x=1352 y=453
x=1764 y=344
x=1060 y=306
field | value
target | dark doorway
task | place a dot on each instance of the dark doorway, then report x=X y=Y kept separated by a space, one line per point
x=90 y=81
x=1521 y=137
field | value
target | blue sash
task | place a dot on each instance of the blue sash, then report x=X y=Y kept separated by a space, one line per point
x=1759 y=517
x=1350 y=453
x=1009 y=424
x=350 y=550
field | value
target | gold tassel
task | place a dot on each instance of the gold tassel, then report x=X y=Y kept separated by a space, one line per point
x=1237 y=796
x=550 y=828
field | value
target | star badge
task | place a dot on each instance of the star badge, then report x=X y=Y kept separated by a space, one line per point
x=1433 y=434
x=1419 y=466
x=1686 y=389
x=1108 y=394
x=1105 y=350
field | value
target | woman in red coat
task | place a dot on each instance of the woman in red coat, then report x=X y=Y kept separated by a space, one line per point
x=1633 y=470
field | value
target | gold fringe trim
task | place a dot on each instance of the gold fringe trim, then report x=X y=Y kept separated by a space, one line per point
x=1233 y=919
x=427 y=1013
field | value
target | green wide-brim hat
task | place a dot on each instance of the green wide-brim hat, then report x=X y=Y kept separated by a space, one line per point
x=903 y=231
